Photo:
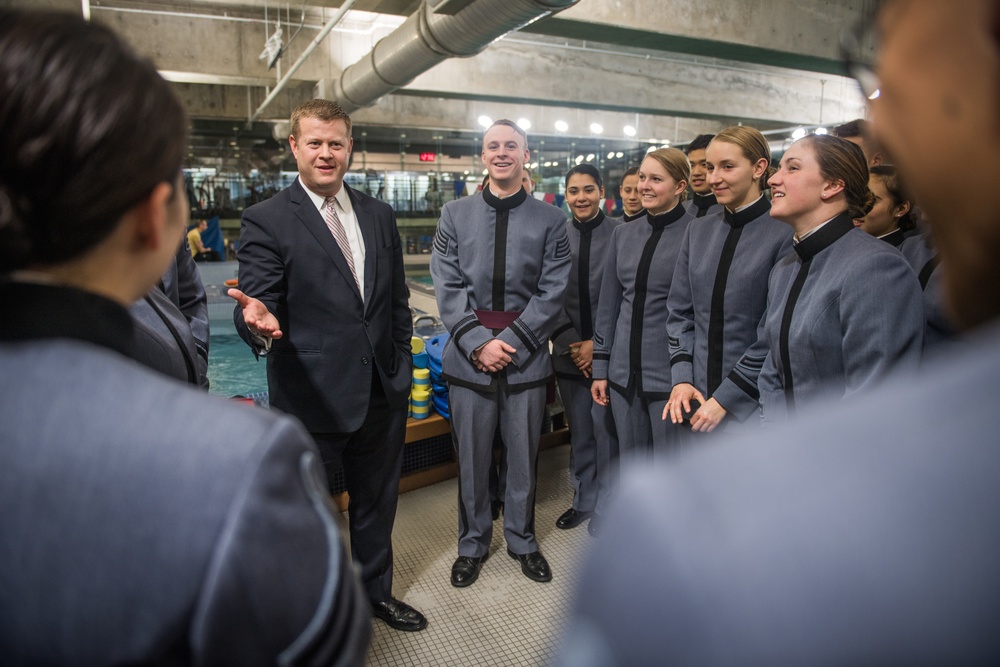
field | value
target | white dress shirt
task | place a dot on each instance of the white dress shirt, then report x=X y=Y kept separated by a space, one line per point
x=345 y=211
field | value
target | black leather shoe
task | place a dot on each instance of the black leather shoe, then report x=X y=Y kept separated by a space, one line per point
x=594 y=527
x=533 y=565
x=571 y=518
x=466 y=570
x=496 y=507
x=398 y=615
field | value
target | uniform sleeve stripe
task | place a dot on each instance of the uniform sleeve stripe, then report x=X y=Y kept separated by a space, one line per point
x=602 y=356
x=747 y=388
x=681 y=358
x=562 y=248
x=525 y=334
x=441 y=242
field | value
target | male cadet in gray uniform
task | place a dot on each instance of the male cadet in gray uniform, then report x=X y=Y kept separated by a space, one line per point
x=500 y=264
x=703 y=200
x=867 y=532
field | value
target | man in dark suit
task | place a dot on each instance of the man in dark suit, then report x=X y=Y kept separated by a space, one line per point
x=322 y=295
x=866 y=532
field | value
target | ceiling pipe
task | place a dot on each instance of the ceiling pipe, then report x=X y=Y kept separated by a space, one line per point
x=317 y=40
x=436 y=31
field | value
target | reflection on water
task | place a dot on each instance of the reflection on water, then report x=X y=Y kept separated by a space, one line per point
x=232 y=369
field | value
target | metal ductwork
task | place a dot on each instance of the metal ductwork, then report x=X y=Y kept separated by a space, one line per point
x=429 y=36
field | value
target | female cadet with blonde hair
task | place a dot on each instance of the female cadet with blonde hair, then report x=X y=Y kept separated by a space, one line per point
x=630 y=335
x=719 y=290
x=845 y=308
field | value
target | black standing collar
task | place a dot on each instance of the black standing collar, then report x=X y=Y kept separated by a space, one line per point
x=39 y=311
x=629 y=218
x=749 y=214
x=662 y=220
x=895 y=238
x=703 y=202
x=824 y=237
x=590 y=225
x=506 y=203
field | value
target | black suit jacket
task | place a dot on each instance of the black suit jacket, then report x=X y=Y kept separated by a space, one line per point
x=321 y=369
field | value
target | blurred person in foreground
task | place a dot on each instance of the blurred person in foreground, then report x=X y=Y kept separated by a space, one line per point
x=865 y=532
x=185 y=529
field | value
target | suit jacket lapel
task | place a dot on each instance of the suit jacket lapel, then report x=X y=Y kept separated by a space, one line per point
x=306 y=212
x=366 y=221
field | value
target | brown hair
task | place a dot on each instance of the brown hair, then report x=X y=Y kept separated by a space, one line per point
x=675 y=162
x=894 y=186
x=320 y=109
x=754 y=147
x=841 y=160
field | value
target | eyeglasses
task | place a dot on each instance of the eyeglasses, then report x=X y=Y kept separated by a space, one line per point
x=858 y=47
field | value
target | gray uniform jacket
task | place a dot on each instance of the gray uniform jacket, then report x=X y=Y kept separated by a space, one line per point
x=863 y=534
x=630 y=334
x=171 y=323
x=589 y=243
x=504 y=255
x=717 y=299
x=919 y=252
x=144 y=522
x=843 y=310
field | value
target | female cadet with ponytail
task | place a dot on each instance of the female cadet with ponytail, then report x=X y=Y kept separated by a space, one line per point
x=844 y=309
x=184 y=529
x=719 y=290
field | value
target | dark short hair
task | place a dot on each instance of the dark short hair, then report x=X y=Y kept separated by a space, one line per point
x=585 y=170
x=700 y=142
x=320 y=109
x=631 y=171
x=894 y=186
x=87 y=130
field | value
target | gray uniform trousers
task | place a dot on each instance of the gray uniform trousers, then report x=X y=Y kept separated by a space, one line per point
x=474 y=418
x=641 y=428
x=593 y=444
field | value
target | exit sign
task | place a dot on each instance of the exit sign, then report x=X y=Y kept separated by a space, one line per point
x=428 y=157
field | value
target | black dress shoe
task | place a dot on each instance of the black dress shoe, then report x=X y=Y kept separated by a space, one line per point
x=594 y=527
x=496 y=507
x=571 y=518
x=398 y=615
x=533 y=565
x=466 y=570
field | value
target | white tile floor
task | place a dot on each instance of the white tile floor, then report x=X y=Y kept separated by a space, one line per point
x=503 y=618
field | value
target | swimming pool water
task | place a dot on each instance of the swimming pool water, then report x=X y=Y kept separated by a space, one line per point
x=232 y=369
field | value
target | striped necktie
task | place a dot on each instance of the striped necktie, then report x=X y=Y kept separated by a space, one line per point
x=337 y=229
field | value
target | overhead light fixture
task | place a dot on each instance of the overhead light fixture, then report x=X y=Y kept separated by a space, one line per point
x=650 y=150
x=666 y=145
x=629 y=131
x=524 y=124
x=596 y=128
x=579 y=159
x=485 y=121
x=590 y=157
x=562 y=125
x=821 y=130
x=799 y=133
x=619 y=155
x=486 y=172
x=611 y=154
x=534 y=165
